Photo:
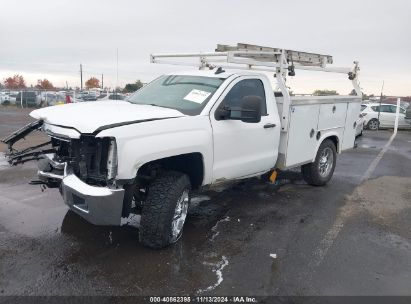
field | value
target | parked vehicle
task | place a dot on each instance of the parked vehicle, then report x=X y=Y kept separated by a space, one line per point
x=359 y=126
x=191 y=130
x=8 y=97
x=385 y=118
x=51 y=98
x=4 y=98
x=113 y=96
x=90 y=97
x=408 y=116
x=30 y=98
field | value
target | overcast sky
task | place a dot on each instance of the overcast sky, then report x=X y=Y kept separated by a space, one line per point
x=50 y=38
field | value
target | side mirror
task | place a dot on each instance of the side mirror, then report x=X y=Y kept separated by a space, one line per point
x=249 y=112
x=251 y=109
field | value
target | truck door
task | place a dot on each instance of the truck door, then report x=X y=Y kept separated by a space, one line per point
x=242 y=148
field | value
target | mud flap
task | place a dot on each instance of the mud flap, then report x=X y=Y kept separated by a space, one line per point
x=14 y=156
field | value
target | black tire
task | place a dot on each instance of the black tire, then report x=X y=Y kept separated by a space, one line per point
x=158 y=210
x=311 y=172
x=373 y=124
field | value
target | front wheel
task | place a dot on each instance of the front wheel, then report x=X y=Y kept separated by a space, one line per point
x=321 y=170
x=165 y=210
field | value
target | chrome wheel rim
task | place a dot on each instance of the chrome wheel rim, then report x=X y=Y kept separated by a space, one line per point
x=180 y=214
x=373 y=125
x=326 y=161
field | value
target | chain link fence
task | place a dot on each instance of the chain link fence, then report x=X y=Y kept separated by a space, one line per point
x=36 y=98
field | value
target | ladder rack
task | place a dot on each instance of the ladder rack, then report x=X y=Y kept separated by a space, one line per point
x=249 y=56
x=273 y=54
x=261 y=58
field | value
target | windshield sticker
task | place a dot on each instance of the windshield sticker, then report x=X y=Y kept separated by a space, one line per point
x=197 y=96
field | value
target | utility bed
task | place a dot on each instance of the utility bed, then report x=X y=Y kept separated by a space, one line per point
x=308 y=119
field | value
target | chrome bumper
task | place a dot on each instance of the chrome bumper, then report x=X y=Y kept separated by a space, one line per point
x=98 y=205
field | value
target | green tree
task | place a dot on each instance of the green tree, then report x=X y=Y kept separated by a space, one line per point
x=325 y=92
x=132 y=87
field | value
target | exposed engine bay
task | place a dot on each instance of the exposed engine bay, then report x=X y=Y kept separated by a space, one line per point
x=90 y=158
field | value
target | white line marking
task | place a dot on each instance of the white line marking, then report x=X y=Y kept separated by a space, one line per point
x=333 y=232
x=377 y=159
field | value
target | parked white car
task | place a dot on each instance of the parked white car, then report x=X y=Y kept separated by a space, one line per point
x=386 y=117
x=8 y=97
x=360 y=126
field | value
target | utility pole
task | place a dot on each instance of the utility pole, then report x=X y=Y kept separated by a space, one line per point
x=102 y=81
x=81 y=77
x=379 y=108
x=117 y=72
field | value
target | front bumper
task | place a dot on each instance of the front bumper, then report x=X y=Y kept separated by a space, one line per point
x=97 y=205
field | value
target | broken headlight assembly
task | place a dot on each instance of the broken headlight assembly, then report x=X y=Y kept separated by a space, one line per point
x=112 y=160
x=92 y=159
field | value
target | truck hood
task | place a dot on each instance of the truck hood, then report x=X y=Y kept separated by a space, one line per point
x=89 y=117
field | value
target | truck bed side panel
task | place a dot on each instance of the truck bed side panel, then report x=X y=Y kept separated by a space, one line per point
x=311 y=120
x=350 y=126
x=301 y=133
x=332 y=116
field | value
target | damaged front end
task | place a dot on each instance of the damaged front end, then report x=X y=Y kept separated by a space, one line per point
x=82 y=166
x=15 y=157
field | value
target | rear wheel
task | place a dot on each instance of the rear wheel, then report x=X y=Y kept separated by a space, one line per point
x=373 y=124
x=165 y=210
x=321 y=170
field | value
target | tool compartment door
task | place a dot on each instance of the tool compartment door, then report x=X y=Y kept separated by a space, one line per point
x=332 y=115
x=302 y=131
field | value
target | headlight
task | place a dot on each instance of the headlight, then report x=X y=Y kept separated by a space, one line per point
x=112 y=160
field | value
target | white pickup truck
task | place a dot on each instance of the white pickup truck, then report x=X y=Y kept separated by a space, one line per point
x=187 y=130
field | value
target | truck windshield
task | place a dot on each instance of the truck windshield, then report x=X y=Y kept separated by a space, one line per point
x=187 y=94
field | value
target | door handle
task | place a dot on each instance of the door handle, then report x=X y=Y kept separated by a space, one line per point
x=269 y=125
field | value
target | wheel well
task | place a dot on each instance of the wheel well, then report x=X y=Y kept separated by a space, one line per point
x=190 y=164
x=335 y=140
